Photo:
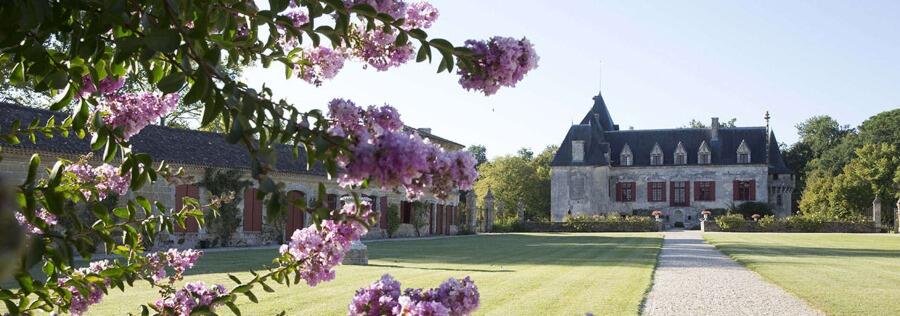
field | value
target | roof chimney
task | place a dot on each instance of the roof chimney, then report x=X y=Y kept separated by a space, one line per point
x=714 y=129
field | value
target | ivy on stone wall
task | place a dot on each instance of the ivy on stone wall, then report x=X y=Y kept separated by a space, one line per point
x=225 y=222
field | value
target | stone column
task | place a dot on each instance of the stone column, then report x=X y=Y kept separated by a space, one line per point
x=359 y=252
x=470 y=202
x=876 y=212
x=488 y=211
x=521 y=211
x=897 y=216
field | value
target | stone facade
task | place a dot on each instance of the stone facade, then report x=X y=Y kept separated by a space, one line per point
x=600 y=169
x=198 y=151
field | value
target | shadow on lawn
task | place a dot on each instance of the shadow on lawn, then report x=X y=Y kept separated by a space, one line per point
x=455 y=254
x=800 y=251
x=437 y=269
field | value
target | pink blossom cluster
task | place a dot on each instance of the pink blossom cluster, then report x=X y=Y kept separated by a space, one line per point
x=133 y=111
x=420 y=15
x=104 y=178
x=178 y=261
x=319 y=250
x=389 y=157
x=395 y=8
x=192 y=296
x=43 y=215
x=377 y=49
x=95 y=292
x=108 y=86
x=502 y=62
x=318 y=64
x=383 y=297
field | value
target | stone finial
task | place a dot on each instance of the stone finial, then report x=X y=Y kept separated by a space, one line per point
x=876 y=212
x=489 y=195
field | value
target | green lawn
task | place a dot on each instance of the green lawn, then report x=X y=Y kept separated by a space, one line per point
x=517 y=274
x=841 y=274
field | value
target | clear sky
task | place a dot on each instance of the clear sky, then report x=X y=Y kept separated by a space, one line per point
x=663 y=64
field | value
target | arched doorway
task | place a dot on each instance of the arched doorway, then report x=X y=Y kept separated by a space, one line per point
x=678 y=218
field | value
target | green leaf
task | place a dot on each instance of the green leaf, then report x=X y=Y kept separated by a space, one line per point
x=33 y=168
x=198 y=90
x=17 y=76
x=171 y=83
x=162 y=40
x=278 y=5
x=234 y=309
x=121 y=212
x=25 y=282
x=234 y=278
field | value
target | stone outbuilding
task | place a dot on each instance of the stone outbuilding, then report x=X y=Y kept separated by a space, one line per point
x=196 y=151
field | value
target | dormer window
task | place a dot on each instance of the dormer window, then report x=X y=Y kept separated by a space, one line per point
x=703 y=155
x=680 y=154
x=743 y=153
x=656 y=156
x=626 y=158
x=577 y=151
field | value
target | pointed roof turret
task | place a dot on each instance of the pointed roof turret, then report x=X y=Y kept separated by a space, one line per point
x=600 y=111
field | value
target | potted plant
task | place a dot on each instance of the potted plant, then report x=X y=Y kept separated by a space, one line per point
x=756 y=217
x=706 y=214
x=656 y=214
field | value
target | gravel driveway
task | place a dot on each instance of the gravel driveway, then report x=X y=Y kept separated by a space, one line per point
x=693 y=278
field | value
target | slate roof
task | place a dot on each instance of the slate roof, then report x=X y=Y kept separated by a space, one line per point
x=162 y=143
x=604 y=142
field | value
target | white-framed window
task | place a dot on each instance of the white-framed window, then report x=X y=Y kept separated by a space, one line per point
x=704 y=157
x=680 y=154
x=626 y=158
x=577 y=151
x=656 y=156
x=743 y=152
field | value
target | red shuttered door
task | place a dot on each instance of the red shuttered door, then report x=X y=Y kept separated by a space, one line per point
x=296 y=216
x=252 y=211
x=186 y=190
x=383 y=209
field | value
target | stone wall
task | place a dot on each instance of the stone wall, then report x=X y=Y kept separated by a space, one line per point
x=14 y=167
x=597 y=195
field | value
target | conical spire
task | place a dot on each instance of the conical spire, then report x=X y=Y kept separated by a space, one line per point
x=600 y=111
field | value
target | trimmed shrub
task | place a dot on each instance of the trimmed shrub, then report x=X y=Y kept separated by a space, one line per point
x=393 y=220
x=732 y=222
x=747 y=209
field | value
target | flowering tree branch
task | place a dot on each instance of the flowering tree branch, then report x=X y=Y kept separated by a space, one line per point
x=80 y=52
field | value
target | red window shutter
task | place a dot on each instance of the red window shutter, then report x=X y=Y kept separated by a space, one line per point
x=697 y=190
x=664 y=196
x=179 y=203
x=650 y=191
x=687 y=193
x=618 y=192
x=383 y=208
x=252 y=211
x=432 y=225
x=752 y=190
x=712 y=190
x=672 y=194
x=191 y=224
x=734 y=190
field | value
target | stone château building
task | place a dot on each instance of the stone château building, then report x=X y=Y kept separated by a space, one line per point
x=601 y=169
x=195 y=151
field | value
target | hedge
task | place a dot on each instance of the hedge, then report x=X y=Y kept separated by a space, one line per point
x=793 y=224
x=609 y=223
